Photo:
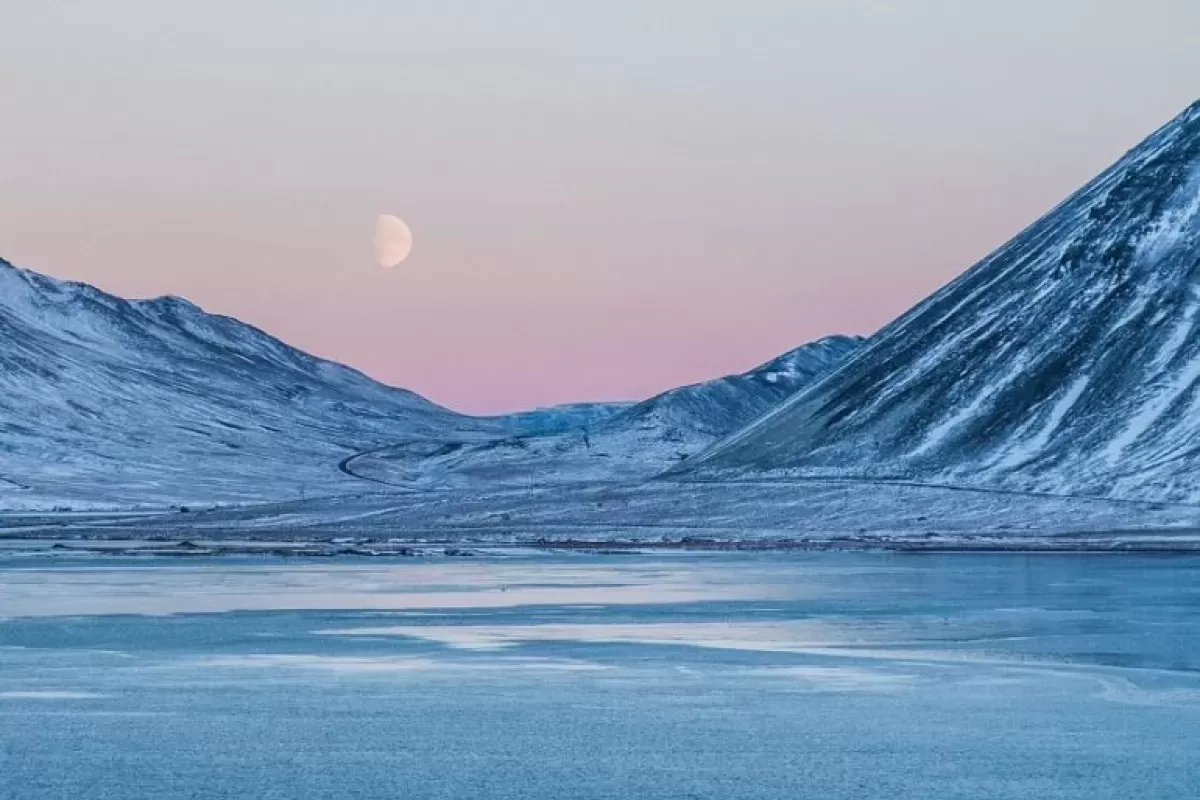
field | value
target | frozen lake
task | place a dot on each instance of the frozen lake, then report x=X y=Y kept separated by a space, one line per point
x=589 y=676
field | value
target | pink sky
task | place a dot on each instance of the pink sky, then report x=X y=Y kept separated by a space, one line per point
x=606 y=203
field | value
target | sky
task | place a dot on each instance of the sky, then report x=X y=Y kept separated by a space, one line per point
x=607 y=199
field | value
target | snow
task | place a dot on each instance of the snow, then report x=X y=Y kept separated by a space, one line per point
x=1150 y=413
x=1062 y=406
x=1172 y=228
x=944 y=427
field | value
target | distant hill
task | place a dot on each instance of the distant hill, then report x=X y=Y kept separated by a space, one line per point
x=632 y=444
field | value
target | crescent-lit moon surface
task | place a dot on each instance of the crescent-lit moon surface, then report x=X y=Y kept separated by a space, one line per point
x=393 y=240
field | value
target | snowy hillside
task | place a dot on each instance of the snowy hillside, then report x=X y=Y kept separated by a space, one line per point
x=113 y=403
x=632 y=444
x=705 y=411
x=110 y=402
x=1068 y=361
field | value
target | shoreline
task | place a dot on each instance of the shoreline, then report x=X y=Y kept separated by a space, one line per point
x=324 y=548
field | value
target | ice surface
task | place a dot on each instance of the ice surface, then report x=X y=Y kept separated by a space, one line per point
x=817 y=675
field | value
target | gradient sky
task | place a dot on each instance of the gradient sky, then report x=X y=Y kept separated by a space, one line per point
x=608 y=199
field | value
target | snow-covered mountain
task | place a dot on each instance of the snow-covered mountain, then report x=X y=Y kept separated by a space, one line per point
x=114 y=403
x=634 y=443
x=1068 y=361
x=105 y=401
x=708 y=410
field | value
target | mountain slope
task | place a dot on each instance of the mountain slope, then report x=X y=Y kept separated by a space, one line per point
x=714 y=408
x=631 y=444
x=1067 y=361
x=110 y=402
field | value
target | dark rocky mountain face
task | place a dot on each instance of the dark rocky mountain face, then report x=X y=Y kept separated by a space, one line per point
x=1067 y=361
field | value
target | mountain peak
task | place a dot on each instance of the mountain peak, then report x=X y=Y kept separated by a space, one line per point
x=1193 y=111
x=1067 y=361
x=170 y=302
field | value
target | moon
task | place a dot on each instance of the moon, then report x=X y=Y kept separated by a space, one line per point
x=393 y=241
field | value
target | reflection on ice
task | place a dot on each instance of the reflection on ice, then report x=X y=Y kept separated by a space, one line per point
x=18 y=694
x=384 y=664
x=841 y=679
x=223 y=587
x=753 y=636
